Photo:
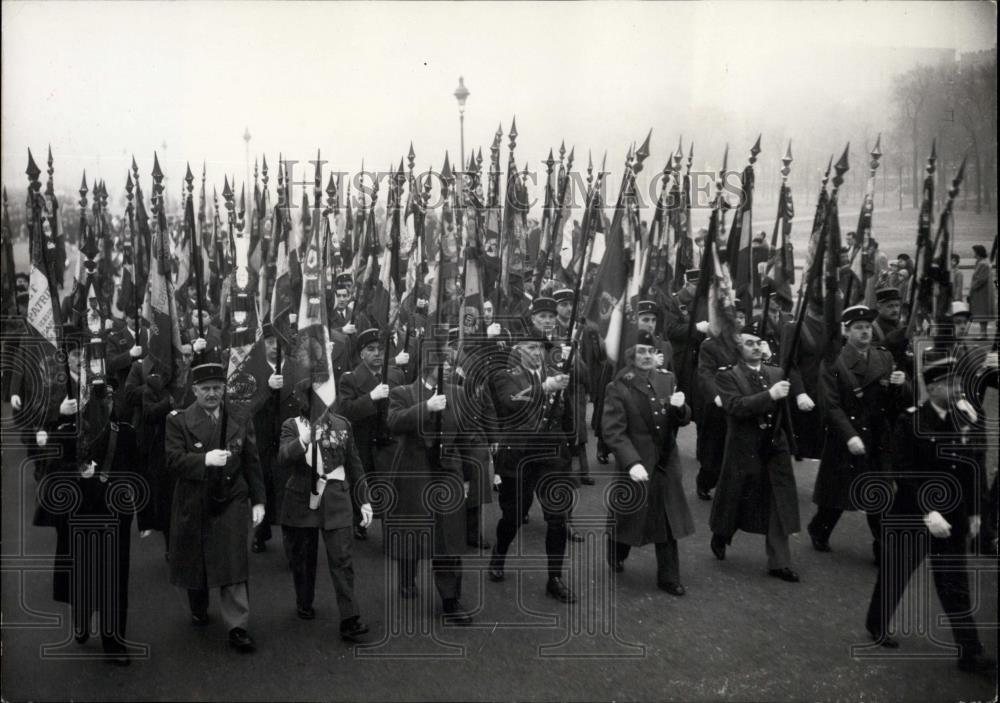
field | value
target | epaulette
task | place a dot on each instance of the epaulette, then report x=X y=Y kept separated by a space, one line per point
x=174 y=412
x=912 y=409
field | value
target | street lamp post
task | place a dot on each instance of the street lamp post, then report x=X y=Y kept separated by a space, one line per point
x=461 y=95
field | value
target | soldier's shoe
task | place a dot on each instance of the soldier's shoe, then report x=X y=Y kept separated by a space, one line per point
x=575 y=536
x=496 y=566
x=718 y=546
x=820 y=544
x=587 y=481
x=557 y=588
x=674 y=589
x=352 y=629
x=306 y=612
x=200 y=619
x=455 y=613
x=241 y=641
x=784 y=574
x=602 y=457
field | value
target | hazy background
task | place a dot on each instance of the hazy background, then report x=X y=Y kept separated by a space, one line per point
x=102 y=81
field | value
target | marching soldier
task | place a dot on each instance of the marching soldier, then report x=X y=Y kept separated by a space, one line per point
x=219 y=488
x=325 y=470
x=716 y=354
x=887 y=332
x=756 y=491
x=536 y=426
x=424 y=460
x=930 y=443
x=642 y=412
x=361 y=398
x=860 y=395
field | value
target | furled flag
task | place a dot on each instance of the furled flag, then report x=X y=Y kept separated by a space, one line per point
x=161 y=309
x=312 y=353
x=738 y=254
x=606 y=306
x=8 y=294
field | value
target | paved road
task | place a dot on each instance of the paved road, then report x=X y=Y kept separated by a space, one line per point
x=737 y=635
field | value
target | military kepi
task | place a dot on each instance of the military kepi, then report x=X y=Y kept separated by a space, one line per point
x=369 y=336
x=939 y=370
x=887 y=294
x=543 y=304
x=858 y=313
x=646 y=307
x=208 y=370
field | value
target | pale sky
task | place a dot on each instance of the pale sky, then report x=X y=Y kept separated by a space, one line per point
x=101 y=81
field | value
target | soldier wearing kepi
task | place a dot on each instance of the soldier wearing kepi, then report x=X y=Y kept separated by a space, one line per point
x=931 y=448
x=642 y=410
x=218 y=480
x=534 y=455
x=860 y=393
x=756 y=490
x=362 y=397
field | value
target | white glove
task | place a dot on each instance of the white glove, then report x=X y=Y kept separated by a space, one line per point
x=465 y=488
x=437 y=402
x=366 y=514
x=779 y=390
x=199 y=345
x=677 y=399
x=41 y=438
x=15 y=402
x=966 y=407
x=638 y=473
x=855 y=446
x=493 y=330
x=258 y=514
x=349 y=328
x=897 y=378
x=143 y=534
x=275 y=381
x=938 y=526
x=718 y=401
x=765 y=350
x=804 y=402
x=702 y=326
x=68 y=406
x=974 y=524
x=659 y=359
x=135 y=352
x=497 y=479
x=90 y=470
x=564 y=349
x=216 y=457
x=402 y=358
x=379 y=392
x=305 y=433
x=109 y=323
x=556 y=383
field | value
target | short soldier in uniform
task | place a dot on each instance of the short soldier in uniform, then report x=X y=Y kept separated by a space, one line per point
x=642 y=411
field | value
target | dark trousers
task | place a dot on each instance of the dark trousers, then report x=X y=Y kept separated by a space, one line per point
x=905 y=549
x=668 y=565
x=711 y=444
x=447 y=572
x=516 y=496
x=579 y=451
x=98 y=577
x=301 y=547
x=825 y=519
x=473 y=524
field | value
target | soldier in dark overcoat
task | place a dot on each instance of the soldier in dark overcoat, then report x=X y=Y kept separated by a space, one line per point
x=219 y=490
x=642 y=411
x=756 y=491
x=860 y=394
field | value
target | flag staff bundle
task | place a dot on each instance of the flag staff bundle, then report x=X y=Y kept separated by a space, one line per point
x=921 y=293
x=780 y=272
x=861 y=254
